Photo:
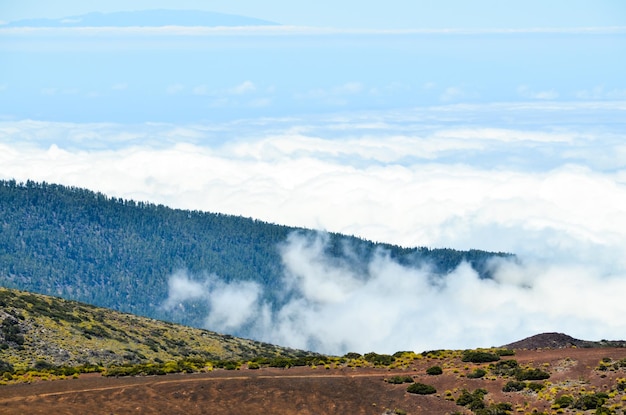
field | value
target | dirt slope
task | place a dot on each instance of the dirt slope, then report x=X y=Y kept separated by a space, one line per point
x=304 y=390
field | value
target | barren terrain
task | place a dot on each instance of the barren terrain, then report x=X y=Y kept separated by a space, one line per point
x=306 y=390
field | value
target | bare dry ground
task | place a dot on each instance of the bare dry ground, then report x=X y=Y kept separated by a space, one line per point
x=304 y=390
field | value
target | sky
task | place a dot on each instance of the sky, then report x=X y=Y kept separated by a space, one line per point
x=391 y=14
x=417 y=123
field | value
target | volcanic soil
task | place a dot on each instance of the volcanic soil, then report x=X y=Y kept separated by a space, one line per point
x=306 y=390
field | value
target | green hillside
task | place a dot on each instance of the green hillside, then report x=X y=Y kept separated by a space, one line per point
x=81 y=245
x=44 y=331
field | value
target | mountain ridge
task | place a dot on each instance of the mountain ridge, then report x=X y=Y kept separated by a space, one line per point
x=144 y=18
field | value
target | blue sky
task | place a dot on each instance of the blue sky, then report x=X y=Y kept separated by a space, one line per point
x=392 y=14
x=441 y=124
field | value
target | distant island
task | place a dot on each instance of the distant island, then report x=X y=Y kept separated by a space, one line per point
x=144 y=18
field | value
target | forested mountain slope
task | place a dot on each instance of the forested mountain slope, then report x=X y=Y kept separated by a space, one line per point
x=85 y=246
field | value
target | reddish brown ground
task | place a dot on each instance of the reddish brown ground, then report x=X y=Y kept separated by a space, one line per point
x=298 y=390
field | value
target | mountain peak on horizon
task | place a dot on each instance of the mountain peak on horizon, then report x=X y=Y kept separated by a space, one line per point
x=144 y=18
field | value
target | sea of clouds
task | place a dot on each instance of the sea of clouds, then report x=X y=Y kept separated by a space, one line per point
x=545 y=181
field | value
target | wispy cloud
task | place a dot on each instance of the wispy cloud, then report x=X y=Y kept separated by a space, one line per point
x=174 y=89
x=451 y=94
x=337 y=95
x=526 y=92
x=201 y=90
x=59 y=91
x=243 y=88
x=600 y=92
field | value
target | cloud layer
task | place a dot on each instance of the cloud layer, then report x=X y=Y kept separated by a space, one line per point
x=490 y=177
x=333 y=309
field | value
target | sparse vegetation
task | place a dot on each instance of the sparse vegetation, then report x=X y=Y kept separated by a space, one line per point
x=57 y=337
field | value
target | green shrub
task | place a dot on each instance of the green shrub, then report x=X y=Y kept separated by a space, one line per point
x=465 y=398
x=535 y=387
x=401 y=353
x=564 y=401
x=505 y=352
x=6 y=367
x=472 y=400
x=434 y=370
x=590 y=401
x=477 y=373
x=421 y=389
x=379 y=359
x=513 y=386
x=396 y=380
x=432 y=353
x=504 y=368
x=11 y=331
x=477 y=356
x=602 y=410
x=230 y=366
x=42 y=365
x=281 y=362
x=502 y=408
x=531 y=374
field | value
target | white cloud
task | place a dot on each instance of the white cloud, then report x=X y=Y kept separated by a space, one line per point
x=260 y=103
x=553 y=195
x=526 y=92
x=234 y=97
x=120 y=86
x=174 y=89
x=451 y=94
x=333 y=309
x=230 y=305
x=181 y=289
x=335 y=95
x=599 y=92
x=201 y=90
x=243 y=88
x=367 y=186
x=49 y=91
